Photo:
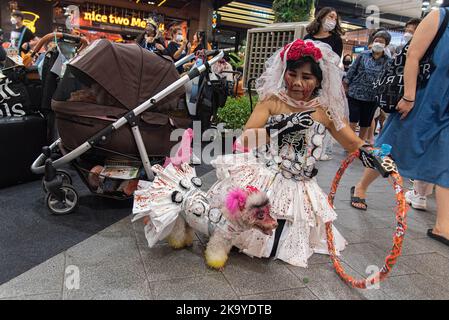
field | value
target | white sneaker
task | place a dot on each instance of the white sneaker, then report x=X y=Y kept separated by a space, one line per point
x=415 y=200
x=325 y=157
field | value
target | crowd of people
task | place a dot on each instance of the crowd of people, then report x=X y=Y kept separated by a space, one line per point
x=418 y=130
x=313 y=95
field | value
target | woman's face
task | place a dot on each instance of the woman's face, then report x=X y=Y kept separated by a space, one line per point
x=195 y=38
x=301 y=83
x=331 y=16
x=178 y=36
x=380 y=40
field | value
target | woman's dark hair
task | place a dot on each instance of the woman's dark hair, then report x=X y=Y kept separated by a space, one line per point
x=175 y=30
x=413 y=22
x=314 y=27
x=348 y=55
x=202 y=45
x=292 y=65
x=141 y=36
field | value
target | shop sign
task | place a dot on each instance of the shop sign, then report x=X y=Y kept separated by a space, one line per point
x=113 y=19
x=12 y=98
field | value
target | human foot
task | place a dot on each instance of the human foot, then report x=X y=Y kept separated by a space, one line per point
x=358 y=199
x=415 y=200
x=434 y=234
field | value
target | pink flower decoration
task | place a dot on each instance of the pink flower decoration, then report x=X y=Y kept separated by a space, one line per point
x=299 y=49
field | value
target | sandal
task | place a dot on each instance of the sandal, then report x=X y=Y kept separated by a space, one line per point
x=357 y=200
x=436 y=237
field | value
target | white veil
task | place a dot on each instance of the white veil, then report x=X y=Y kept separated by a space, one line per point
x=332 y=96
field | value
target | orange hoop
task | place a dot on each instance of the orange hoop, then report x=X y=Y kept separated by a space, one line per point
x=398 y=238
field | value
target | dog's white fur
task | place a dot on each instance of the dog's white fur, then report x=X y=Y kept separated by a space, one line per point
x=220 y=242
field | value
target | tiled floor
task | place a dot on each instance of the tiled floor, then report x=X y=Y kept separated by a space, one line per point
x=116 y=263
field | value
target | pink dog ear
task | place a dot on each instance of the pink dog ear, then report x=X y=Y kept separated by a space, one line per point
x=235 y=202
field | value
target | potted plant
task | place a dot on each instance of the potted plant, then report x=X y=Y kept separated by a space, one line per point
x=293 y=10
x=233 y=117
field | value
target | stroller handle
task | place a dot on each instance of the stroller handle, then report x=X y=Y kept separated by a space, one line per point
x=38 y=165
x=59 y=35
x=208 y=53
x=184 y=60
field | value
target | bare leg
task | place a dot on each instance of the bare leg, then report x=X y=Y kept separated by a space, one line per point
x=422 y=188
x=442 y=224
x=364 y=133
x=353 y=126
x=371 y=131
x=369 y=176
x=382 y=119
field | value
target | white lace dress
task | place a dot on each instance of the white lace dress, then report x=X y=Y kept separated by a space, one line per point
x=286 y=172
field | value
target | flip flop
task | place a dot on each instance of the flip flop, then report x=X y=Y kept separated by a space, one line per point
x=436 y=237
x=357 y=200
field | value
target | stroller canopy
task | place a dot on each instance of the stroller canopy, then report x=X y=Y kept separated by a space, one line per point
x=107 y=80
x=128 y=72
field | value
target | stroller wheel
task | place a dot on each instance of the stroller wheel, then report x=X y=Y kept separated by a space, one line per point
x=66 y=179
x=68 y=205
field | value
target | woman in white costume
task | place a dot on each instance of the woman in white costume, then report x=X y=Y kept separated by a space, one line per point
x=300 y=97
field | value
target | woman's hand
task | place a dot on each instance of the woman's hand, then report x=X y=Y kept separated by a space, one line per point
x=404 y=107
x=160 y=47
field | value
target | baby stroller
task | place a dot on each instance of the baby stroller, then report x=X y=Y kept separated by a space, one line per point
x=116 y=107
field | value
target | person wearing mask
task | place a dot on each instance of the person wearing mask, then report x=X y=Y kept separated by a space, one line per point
x=417 y=197
x=409 y=31
x=419 y=131
x=178 y=47
x=150 y=39
x=22 y=38
x=347 y=61
x=359 y=83
x=326 y=28
x=200 y=42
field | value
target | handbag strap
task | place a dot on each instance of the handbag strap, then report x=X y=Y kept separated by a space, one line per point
x=22 y=34
x=440 y=33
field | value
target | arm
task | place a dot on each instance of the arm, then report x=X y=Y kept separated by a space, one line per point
x=421 y=41
x=178 y=53
x=346 y=137
x=255 y=134
x=352 y=71
x=369 y=156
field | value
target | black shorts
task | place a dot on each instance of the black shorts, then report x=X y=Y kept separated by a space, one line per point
x=361 y=112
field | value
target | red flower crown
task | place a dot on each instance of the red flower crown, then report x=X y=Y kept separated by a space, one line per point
x=299 y=49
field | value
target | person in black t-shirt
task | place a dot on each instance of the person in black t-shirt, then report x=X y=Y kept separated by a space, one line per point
x=22 y=38
x=326 y=28
x=178 y=47
x=151 y=39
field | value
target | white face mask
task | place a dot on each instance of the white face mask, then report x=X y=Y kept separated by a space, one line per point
x=378 y=47
x=407 y=36
x=179 y=37
x=13 y=20
x=329 y=25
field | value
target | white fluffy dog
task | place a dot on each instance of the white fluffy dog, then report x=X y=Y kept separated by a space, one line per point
x=174 y=206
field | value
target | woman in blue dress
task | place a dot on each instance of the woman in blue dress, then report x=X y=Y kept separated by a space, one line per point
x=419 y=131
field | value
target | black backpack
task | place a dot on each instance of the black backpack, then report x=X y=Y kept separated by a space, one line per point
x=212 y=96
x=390 y=84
